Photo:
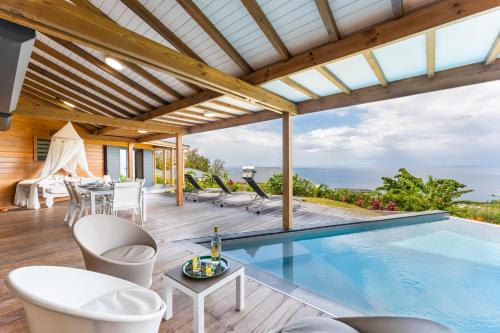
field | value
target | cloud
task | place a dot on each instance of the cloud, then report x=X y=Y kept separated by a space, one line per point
x=457 y=126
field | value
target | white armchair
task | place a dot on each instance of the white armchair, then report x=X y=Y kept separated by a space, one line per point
x=62 y=299
x=117 y=247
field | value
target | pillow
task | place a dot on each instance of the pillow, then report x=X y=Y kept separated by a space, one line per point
x=130 y=253
x=129 y=301
x=317 y=325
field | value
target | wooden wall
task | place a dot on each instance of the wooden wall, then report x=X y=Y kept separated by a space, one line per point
x=16 y=153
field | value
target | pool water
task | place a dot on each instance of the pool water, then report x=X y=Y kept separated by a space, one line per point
x=448 y=270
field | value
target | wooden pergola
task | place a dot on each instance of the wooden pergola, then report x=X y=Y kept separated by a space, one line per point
x=168 y=89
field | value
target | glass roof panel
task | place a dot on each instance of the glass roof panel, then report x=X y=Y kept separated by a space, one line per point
x=466 y=42
x=316 y=82
x=403 y=59
x=354 y=72
x=285 y=91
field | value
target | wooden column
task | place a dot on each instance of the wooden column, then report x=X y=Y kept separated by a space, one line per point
x=180 y=169
x=164 y=166
x=287 y=172
x=172 y=177
x=130 y=160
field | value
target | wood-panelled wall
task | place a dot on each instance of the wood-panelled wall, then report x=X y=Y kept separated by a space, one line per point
x=16 y=153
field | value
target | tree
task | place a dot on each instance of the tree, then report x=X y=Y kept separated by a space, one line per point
x=217 y=168
x=196 y=161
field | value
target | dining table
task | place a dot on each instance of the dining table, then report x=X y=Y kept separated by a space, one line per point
x=96 y=190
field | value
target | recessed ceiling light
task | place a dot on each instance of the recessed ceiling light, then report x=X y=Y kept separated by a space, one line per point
x=209 y=114
x=113 y=63
x=142 y=131
x=71 y=105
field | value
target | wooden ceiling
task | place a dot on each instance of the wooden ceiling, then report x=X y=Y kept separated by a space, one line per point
x=192 y=65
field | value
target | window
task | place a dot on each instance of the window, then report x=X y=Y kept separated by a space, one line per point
x=41 y=149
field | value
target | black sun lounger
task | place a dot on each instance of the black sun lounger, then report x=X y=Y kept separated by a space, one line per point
x=260 y=196
x=197 y=188
x=226 y=193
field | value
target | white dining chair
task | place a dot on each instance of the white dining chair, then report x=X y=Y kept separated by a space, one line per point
x=127 y=196
x=70 y=212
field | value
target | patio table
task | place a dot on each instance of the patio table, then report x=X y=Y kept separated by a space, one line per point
x=95 y=190
x=199 y=289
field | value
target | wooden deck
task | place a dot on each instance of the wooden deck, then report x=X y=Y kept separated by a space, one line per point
x=40 y=237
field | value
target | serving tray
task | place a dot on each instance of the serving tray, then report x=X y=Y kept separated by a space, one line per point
x=187 y=268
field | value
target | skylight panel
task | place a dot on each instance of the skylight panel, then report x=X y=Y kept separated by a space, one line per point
x=403 y=59
x=316 y=82
x=285 y=91
x=354 y=72
x=466 y=42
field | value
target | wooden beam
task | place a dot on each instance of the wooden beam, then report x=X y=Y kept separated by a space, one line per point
x=374 y=65
x=260 y=18
x=191 y=120
x=297 y=86
x=451 y=78
x=84 y=70
x=180 y=169
x=86 y=83
x=431 y=53
x=111 y=71
x=160 y=28
x=327 y=74
x=434 y=15
x=172 y=167
x=326 y=15
x=199 y=115
x=231 y=106
x=90 y=136
x=216 y=111
x=130 y=163
x=95 y=31
x=153 y=80
x=39 y=108
x=117 y=111
x=287 y=172
x=196 y=14
x=397 y=8
x=493 y=54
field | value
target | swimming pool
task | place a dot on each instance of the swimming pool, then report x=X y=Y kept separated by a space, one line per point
x=446 y=270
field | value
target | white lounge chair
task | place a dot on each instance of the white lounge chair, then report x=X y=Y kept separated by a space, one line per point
x=365 y=324
x=62 y=300
x=116 y=246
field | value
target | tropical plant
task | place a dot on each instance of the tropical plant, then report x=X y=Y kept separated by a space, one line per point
x=194 y=160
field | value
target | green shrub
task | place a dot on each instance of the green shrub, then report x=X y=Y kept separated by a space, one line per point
x=302 y=187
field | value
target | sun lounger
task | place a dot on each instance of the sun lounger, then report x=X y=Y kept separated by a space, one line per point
x=261 y=197
x=198 y=189
x=226 y=194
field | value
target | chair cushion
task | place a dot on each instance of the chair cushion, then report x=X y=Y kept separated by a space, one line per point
x=316 y=325
x=130 y=253
x=129 y=301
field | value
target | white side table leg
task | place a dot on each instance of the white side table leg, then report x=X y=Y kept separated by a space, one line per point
x=240 y=292
x=167 y=291
x=199 y=314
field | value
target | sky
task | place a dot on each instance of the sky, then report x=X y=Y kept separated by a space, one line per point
x=458 y=126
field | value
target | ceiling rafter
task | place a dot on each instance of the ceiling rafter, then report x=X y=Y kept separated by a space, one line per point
x=375 y=66
x=231 y=106
x=199 y=17
x=102 y=65
x=37 y=107
x=297 y=86
x=397 y=8
x=327 y=17
x=430 y=42
x=69 y=85
x=108 y=37
x=493 y=53
x=328 y=74
x=213 y=110
x=267 y=28
x=175 y=116
x=86 y=71
x=65 y=94
x=63 y=71
x=200 y=115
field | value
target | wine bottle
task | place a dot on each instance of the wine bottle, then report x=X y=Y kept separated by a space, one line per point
x=216 y=249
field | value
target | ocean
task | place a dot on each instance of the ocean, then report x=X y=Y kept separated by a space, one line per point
x=484 y=180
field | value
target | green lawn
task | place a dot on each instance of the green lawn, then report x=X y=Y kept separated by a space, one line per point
x=479 y=211
x=340 y=204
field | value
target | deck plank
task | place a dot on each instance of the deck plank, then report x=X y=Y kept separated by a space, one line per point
x=40 y=237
